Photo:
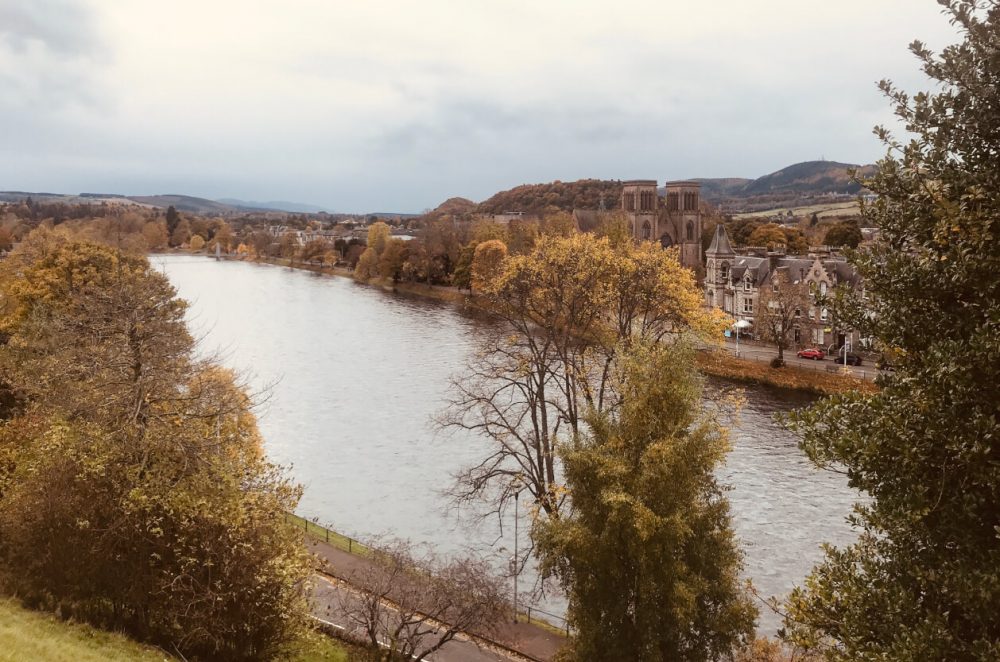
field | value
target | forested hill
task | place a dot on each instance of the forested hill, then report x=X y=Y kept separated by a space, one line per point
x=563 y=196
x=807 y=178
x=801 y=182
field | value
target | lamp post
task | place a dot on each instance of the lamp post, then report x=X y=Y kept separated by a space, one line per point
x=516 y=560
x=738 y=325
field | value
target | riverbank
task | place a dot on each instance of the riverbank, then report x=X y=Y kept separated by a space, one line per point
x=718 y=363
x=715 y=363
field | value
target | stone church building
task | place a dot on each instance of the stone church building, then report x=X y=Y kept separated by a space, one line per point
x=673 y=221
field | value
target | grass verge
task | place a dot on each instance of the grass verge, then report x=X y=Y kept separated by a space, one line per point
x=725 y=365
x=30 y=635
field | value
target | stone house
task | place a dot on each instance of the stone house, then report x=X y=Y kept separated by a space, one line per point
x=733 y=282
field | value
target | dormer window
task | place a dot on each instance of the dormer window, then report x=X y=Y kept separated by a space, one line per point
x=746 y=285
x=724 y=271
x=822 y=289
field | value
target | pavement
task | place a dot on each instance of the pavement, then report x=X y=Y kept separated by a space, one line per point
x=764 y=353
x=507 y=641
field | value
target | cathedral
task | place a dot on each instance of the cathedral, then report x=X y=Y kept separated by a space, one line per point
x=673 y=221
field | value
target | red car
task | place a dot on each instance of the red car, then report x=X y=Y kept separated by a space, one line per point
x=811 y=353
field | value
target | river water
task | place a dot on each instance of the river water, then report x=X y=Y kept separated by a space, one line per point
x=354 y=374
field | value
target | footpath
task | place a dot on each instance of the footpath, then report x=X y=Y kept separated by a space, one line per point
x=527 y=640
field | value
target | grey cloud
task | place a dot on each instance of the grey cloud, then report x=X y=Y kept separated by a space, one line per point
x=64 y=27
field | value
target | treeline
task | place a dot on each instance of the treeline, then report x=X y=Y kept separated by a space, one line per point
x=445 y=251
x=134 y=491
x=553 y=197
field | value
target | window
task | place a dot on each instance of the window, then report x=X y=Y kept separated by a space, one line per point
x=724 y=271
x=746 y=285
x=673 y=202
x=822 y=315
x=798 y=312
x=747 y=304
x=647 y=231
x=798 y=336
x=690 y=231
x=630 y=202
x=822 y=289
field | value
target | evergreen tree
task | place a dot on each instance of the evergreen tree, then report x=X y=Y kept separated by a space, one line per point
x=648 y=556
x=923 y=580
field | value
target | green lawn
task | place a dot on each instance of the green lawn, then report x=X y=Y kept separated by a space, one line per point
x=30 y=635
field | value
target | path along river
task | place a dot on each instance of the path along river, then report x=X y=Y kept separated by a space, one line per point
x=355 y=373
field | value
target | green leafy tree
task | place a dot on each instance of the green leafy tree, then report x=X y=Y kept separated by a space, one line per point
x=648 y=556
x=922 y=582
x=173 y=218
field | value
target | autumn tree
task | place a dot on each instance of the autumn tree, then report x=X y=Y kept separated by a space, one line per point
x=845 y=233
x=771 y=235
x=565 y=310
x=782 y=304
x=223 y=236
x=392 y=261
x=647 y=555
x=487 y=261
x=146 y=457
x=181 y=234
x=368 y=264
x=922 y=581
x=155 y=234
x=197 y=242
x=314 y=250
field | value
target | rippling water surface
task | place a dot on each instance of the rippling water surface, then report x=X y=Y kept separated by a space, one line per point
x=355 y=374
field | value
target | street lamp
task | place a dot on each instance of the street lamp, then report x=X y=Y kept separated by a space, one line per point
x=738 y=325
x=516 y=560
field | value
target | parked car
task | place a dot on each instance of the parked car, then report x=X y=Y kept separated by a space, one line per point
x=813 y=353
x=852 y=358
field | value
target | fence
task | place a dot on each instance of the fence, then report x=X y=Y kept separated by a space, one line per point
x=338 y=540
x=551 y=622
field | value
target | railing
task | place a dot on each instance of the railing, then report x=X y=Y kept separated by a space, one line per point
x=551 y=622
x=338 y=540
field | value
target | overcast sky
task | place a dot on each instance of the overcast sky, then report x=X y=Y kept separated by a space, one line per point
x=379 y=105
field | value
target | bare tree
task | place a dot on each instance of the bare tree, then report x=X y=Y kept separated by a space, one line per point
x=564 y=312
x=782 y=303
x=408 y=606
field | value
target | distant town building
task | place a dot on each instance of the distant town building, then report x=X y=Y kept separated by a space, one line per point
x=733 y=282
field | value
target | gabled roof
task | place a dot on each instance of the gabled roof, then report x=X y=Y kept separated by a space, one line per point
x=720 y=242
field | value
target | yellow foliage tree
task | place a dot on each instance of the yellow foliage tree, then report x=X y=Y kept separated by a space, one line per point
x=487 y=262
x=568 y=310
x=197 y=242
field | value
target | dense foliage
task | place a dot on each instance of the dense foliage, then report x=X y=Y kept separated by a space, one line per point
x=554 y=196
x=647 y=555
x=923 y=580
x=133 y=489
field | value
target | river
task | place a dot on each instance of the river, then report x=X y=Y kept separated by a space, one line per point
x=354 y=374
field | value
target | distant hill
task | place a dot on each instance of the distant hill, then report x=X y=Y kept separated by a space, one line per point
x=800 y=184
x=272 y=205
x=185 y=203
x=562 y=196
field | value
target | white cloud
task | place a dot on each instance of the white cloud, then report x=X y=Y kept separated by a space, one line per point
x=398 y=105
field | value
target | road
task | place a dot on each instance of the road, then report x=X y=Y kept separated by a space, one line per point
x=765 y=353
x=329 y=594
